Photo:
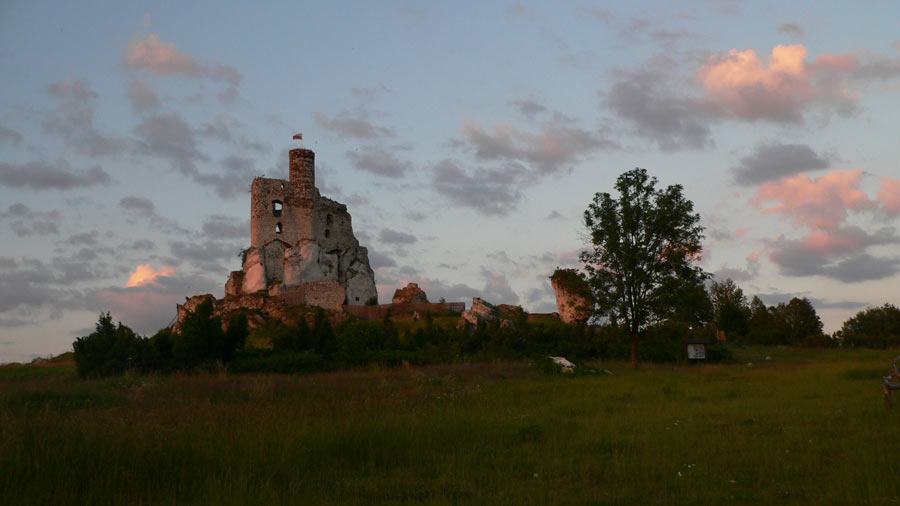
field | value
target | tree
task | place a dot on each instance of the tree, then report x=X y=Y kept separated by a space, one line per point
x=108 y=351
x=201 y=337
x=876 y=327
x=798 y=323
x=761 y=323
x=644 y=246
x=730 y=307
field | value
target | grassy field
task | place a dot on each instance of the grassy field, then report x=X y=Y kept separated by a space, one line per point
x=804 y=427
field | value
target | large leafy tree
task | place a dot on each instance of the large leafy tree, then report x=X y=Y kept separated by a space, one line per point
x=876 y=327
x=644 y=248
x=732 y=312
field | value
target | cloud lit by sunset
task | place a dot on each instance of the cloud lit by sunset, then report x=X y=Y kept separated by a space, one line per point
x=145 y=273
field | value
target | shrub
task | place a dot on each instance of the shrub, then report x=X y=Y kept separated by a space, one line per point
x=108 y=351
x=284 y=362
x=876 y=327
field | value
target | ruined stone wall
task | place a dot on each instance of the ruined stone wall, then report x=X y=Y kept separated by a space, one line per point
x=379 y=311
x=273 y=260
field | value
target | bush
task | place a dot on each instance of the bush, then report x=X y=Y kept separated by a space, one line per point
x=285 y=362
x=108 y=351
x=876 y=327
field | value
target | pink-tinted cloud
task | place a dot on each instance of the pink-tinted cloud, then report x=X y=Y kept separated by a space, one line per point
x=832 y=247
x=821 y=203
x=741 y=84
x=166 y=60
x=162 y=58
x=145 y=273
x=889 y=195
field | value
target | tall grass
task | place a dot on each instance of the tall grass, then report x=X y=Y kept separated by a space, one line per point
x=803 y=427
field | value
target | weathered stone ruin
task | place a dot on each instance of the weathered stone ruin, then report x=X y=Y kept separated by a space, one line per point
x=483 y=311
x=302 y=251
x=410 y=294
x=573 y=296
x=302 y=244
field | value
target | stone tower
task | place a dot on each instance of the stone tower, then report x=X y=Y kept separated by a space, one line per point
x=298 y=237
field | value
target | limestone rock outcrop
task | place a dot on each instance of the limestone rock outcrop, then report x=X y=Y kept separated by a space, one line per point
x=573 y=296
x=411 y=293
x=483 y=311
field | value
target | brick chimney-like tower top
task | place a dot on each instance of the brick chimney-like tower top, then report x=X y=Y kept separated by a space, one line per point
x=303 y=168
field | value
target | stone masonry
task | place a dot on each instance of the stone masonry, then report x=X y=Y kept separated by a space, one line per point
x=297 y=237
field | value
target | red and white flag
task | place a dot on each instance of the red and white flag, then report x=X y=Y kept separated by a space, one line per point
x=298 y=137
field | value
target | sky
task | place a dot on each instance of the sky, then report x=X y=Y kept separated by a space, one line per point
x=466 y=138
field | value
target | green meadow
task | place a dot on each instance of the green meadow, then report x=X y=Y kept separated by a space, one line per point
x=801 y=427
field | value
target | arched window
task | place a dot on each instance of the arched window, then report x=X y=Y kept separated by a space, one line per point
x=327 y=233
x=278 y=228
x=328 y=219
x=277 y=206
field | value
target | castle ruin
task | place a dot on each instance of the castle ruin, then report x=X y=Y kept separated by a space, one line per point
x=302 y=246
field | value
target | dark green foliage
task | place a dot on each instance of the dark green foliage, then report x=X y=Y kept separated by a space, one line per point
x=644 y=249
x=286 y=362
x=323 y=337
x=761 y=324
x=200 y=339
x=798 y=323
x=732 y=313
x=108 y=351
x=235 y=336
x=360 y=342
x=372 y=301
x=876 y=327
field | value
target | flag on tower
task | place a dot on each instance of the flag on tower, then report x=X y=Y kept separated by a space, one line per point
x=298 y=137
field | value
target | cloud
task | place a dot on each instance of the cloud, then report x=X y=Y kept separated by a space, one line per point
x=889 y=195
x=238 y=172
x=25 y=223
x=377 y=260
x=647 y=100
x=492 y=192
x=83 y=238
x=379 y=161
x=389 y=236
x=164 y=59
x=780 y=90
x=791 y=29
x=820 y=203
x=141 y=205
x=832 y=247
x=598 y=13
x=168 y=136
x=142 y=96
x=226 y=130
x=73 y=120
x=346 y=126
x=8 y=135
x=528 y=107
x=226 y=227
x=773 y=161
x=39 y=175
x=145 y=273
x=497 y=289
x=210 y=256
x=143 y=208
x=557 y=145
